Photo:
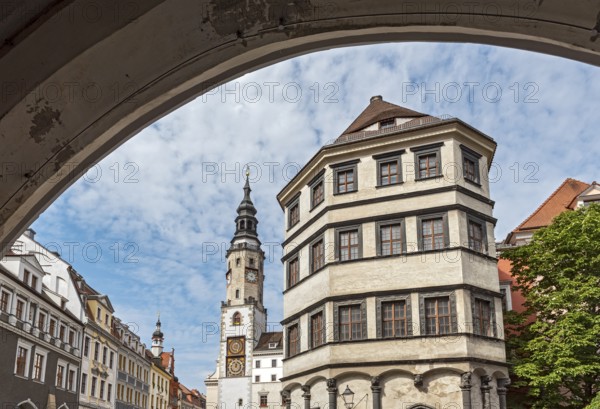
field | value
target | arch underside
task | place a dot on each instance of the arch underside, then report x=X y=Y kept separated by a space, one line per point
x=80 y=77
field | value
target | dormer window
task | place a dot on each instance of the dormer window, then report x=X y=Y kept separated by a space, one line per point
x=26 y=275
x=387 y=123
x=272 y=345
x=34 y=282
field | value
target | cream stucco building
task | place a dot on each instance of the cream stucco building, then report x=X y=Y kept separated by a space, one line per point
x=391 y=289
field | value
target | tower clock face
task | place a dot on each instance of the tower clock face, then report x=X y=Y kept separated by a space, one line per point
x=236 y=346
x=235 y=367
x=251 y=276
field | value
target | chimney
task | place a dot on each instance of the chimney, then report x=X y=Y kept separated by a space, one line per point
x=30 y=233
x=376 y=98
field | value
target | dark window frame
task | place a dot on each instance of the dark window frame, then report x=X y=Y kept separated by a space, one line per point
x=344 y=167
x=387 y=123
x=471 y=155
x=311 y=257
x=387 y=223
x=427 y=150
x=379 y=301
x=295 y=259
x=493 y=328
x=312 y=314
x=293 y=209
x=336 y=318
x=289 y=327
x=387 y=157
x=451 y=295
x=346 y=229
x=320 y=181
x=484 y=241
x=431 y=216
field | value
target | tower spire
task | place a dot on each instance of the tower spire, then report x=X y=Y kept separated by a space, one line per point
x=246 y=220
x=157 y=339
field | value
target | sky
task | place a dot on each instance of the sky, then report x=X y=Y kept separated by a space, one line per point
x=150 y=224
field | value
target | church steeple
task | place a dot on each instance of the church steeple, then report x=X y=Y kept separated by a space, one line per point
x=246 y=220
x=157 y=339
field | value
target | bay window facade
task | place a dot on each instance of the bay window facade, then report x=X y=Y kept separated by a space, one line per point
x=399 y=270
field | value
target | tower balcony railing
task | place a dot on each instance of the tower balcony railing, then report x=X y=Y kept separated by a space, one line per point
x=246 y=246
x=415 y=123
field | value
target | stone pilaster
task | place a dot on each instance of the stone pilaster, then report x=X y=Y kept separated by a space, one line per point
x=376 y=389
x=332 y=390
x=306 y=396
x=465 y=388
x=503 y=384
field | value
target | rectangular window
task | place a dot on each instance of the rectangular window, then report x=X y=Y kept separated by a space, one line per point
x=71 y=380
x=41 y=324
x=93 y=392
x=111 y=360
x=317 y=192
x=83 y=384
x=482 y=317
x=317 y=252
x=293 y=214
x=97 y=351
x=102 y=385
x=256 y=378
x=86 y=346
x=345 y=181
x=20 y=309
x=71 y=337
x=4 y=301
x=21 y=364
x=293 y=272
x=38 y=367
x=390 y=239
x=437 y=315
x=109 y=392
x=394 y=319
x=273 y=363
x=273 y=378
x=60 y=373
x=348 y=245
x=99 y=314
x=104 y=355
x=61 y=333
x=433 y=233
x=506 y=297
x=470 y=164
x=263 y=400
x=52 y=329
x=428 y=165
x=34 y=281
x=477 y=234
x=293 y=340
x=350 y=322
x=258 y=363
x=316 y=328
x=389 y=171
x=26 y=275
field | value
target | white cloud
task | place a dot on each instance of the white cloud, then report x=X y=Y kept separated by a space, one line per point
x=187 y=168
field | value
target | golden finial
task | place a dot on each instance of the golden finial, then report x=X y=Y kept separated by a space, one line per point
x=247 y=171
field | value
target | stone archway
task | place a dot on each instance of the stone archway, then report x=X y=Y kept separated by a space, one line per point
x=80 y=77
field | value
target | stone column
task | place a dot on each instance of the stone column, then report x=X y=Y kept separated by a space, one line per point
x=502 y=388
x=306 y=396
x=332 y=389
x=286 y=398
x=485 y=390
x=376 y=389
x=465 y=388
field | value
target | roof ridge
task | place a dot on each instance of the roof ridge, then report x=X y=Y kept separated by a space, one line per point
x=553 y=194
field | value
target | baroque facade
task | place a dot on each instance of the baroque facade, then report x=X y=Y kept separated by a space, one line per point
x=391 y=294
x=241 y=379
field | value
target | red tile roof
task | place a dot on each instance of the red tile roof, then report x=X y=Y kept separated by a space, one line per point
x=562 y=199
x=378 y=110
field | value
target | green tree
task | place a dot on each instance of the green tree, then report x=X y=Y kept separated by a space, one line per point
x=558 y=354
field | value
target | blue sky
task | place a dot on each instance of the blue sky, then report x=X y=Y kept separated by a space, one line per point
x=152 y=221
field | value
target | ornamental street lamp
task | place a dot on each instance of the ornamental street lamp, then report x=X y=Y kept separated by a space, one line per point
x=348 y=398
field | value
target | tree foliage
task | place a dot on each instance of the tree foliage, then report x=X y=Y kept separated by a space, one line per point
x=557 y=354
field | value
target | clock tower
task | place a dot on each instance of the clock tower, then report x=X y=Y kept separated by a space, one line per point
x=243 y=316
